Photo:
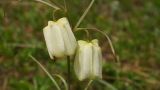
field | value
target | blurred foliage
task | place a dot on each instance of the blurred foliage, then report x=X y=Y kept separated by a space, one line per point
x=133 y=26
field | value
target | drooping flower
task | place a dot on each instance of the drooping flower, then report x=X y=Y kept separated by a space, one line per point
x=88 y=60
x=60 y=40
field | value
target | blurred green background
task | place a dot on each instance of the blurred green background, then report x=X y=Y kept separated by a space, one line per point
x=132 y=25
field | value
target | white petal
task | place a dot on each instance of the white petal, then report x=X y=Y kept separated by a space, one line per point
x=54 y=40
x=48 y=40
x=83 y=60
x=97 y=60
x=95 y=42
x=68 y=36
x=58 y=43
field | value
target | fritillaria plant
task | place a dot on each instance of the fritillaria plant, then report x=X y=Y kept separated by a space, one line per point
x=61 y=43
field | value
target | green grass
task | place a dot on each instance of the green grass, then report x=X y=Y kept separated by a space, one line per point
x=133 y=26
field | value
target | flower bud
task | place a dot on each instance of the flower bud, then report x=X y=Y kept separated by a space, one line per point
x=60 y=40
x=88 y=60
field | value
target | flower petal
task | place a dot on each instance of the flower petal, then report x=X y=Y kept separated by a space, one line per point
x=48 y=40
x=68 y=36
x=59 y=48
x=54 y=40
x=97 y=60
x=83 y=60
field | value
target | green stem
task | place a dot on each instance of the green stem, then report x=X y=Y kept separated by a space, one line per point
x=65 y=6
x=68 y=66
x=89 y=83
x=86 y=31
x=84 y=14
x=51 y=5
x=63 y=80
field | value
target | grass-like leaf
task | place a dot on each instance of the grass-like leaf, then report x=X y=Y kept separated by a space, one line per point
x=51 y=5
x=89 y=83
x=111 y=87
x=84 y=14
x=45 y=70
x=63 y=80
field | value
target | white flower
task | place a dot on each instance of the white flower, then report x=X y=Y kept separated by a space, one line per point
x=59 y=38
x=88 y=60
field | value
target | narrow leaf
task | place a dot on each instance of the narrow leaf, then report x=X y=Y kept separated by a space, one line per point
x=111 y=87
x=51 y=5
x=84 y=14
x=89 y=83
x=45 y=70
x=63 y=80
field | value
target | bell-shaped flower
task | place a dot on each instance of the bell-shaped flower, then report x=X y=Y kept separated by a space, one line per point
x=60 y=40
x=88 y=60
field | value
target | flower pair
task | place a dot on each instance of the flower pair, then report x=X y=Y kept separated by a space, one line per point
x=61 y=42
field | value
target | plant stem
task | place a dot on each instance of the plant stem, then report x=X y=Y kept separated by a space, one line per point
x=84 y=14
x=89 y=83
x=68 y=66
x=51 y=5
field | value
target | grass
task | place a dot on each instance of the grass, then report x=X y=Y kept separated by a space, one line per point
x=133 y=26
